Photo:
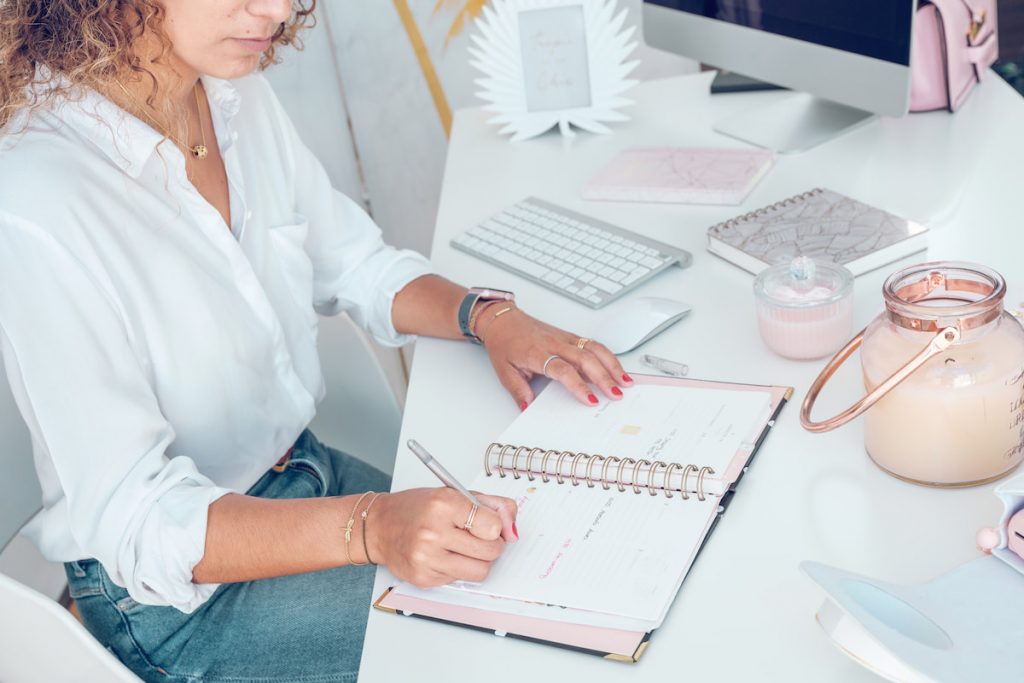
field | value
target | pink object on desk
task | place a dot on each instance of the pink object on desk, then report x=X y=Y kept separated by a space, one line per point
x=804 y=308
x=680 y=175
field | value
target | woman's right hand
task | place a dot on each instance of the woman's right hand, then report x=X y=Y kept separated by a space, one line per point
x=418 y=534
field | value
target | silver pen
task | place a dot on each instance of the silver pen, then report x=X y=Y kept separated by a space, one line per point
x=440 y=472
x=669 y=367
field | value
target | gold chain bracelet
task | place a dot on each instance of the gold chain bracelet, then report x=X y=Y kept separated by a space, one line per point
x=348 y=530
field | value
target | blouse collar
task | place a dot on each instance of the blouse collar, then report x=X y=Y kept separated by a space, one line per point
x=126 y=140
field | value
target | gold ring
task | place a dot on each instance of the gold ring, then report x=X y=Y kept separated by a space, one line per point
x=544 y=369
x=581 y=342
x=472 y=515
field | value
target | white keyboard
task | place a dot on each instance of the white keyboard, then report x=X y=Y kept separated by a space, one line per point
x=580 y=257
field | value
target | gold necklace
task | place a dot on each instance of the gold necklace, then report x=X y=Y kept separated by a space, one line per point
x=198 y=151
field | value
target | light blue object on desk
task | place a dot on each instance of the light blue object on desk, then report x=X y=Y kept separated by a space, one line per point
x=967 y=625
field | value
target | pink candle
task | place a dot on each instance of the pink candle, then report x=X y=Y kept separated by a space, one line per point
x=804 y=308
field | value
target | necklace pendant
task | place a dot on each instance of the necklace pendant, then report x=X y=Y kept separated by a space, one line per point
x=200 y=151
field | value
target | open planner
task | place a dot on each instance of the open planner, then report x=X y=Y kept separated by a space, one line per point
x=615 y=502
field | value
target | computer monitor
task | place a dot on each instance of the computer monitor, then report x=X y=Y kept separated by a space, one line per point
x=848 y=58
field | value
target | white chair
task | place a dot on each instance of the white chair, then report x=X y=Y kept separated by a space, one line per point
x=39 y=640
x=361 y=413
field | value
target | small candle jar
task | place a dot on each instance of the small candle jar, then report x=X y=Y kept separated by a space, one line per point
x=804 y=308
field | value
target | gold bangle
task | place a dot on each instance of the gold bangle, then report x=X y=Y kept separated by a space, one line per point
x=497 y=315
x=474 y=314
x=348 y=530
x=366 y=548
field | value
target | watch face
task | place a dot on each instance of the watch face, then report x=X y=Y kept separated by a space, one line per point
x=488 y=294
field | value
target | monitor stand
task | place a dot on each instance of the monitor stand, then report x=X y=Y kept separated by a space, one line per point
x=795 y=122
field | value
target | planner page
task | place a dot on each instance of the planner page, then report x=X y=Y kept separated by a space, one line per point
x=701 y=425
x=591 y=549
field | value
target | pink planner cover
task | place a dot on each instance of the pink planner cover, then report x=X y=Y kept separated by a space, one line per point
x=680 y=175
x=615 y=644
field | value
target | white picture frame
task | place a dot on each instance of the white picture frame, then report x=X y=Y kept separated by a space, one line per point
x=548 y=63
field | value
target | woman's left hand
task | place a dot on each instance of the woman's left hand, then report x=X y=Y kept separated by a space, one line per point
x=519 y=347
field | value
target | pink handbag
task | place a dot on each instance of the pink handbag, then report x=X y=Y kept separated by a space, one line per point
x=955 y=42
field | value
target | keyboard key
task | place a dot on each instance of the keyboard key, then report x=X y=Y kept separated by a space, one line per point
x=633 y=277
x=606 y=285
x=565 y=282
x=595 y=299
x=552 y=276
x=588 y=291
x=650 y=262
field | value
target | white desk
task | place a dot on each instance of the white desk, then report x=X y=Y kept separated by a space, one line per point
x=745 y=612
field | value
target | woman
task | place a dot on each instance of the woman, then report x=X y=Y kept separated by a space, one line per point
x=166 y=242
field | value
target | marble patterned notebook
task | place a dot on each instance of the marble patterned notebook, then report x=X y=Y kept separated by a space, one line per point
x=680 y=175
x=821 y=224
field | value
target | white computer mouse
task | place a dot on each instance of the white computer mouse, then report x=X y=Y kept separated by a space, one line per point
x=636 y=321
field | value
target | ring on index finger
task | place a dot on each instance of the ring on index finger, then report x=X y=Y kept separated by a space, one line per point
x=581 y=343
x=472 y=516
x=548 y=362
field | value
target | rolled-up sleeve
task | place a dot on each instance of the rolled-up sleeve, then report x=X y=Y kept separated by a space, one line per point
x=353 y=269
x=96 y=423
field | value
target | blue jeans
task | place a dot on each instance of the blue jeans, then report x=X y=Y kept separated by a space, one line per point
x=307 y=627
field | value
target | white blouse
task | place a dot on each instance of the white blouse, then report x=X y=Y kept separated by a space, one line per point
x=160 y=359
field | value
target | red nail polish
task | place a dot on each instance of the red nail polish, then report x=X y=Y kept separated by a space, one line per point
x=522 y=406
x=626 y=378
x=616 y=391
x=592 y=398
x=515 y=530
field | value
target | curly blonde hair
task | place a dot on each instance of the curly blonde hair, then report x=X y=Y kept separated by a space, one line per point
x=91 y=43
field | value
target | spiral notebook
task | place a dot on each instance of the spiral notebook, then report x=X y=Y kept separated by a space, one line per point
x=622 y=495
x=821 y=224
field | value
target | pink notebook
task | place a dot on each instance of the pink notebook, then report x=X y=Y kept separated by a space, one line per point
x=680 y=175
x=596 y=514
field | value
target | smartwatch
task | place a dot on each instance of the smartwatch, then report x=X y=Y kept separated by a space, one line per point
x=474 y=296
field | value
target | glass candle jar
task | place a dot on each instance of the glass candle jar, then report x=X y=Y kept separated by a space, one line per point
x=943 y=367
x=804 y=308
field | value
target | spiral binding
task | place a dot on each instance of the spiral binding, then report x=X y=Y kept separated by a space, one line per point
x=764 y=210
x=515 y=453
